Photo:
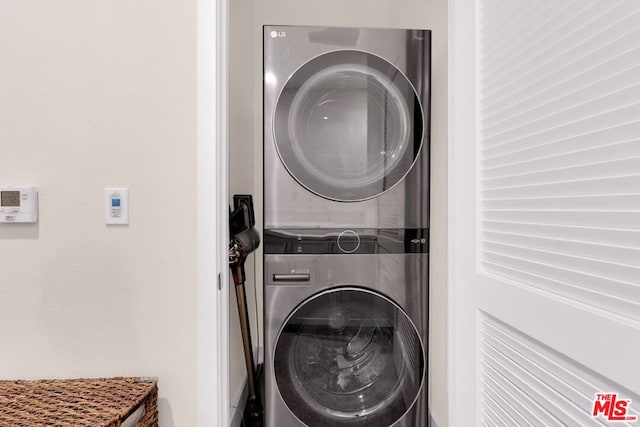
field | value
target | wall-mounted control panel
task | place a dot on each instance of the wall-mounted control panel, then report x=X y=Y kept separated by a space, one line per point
x=116 y=205
x=18 y=205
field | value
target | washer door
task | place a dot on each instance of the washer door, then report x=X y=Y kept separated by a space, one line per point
x=348 y=125
x=349 y=357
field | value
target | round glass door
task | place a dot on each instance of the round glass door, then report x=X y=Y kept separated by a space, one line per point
x=348 y=125
x=349 y=357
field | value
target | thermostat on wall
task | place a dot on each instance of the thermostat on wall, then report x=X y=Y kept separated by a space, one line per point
x=18 y=204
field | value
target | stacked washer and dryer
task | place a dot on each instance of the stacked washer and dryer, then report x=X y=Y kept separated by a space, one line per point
x=346 y=226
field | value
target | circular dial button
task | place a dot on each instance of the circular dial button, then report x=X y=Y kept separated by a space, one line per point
x=348 y=241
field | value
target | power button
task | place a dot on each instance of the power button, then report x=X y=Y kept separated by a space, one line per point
x=348 y=241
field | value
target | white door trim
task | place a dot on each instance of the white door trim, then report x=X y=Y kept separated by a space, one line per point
x=461 y=99
x=212 y=215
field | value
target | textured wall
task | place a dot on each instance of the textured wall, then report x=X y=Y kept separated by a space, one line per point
x=94 y=94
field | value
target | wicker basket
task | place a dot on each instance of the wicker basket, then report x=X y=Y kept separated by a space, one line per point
x=105 y=402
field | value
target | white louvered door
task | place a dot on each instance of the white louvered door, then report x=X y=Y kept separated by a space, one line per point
x=544 y=210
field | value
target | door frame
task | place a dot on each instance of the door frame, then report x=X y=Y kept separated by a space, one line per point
x=462 y=98
x=212 y=374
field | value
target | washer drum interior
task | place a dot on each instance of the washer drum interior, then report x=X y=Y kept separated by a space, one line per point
x=349 y=357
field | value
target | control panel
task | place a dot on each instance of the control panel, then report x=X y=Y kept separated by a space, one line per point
x=18 y=205
x=116 y=206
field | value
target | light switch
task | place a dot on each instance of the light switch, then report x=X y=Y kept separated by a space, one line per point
x=116 y=205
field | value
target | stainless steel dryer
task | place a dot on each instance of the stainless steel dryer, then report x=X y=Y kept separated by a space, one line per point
x=345 y=335
x=346 y=127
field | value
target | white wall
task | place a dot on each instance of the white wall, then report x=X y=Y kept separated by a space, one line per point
x=243 y=176
x=247 y=18
x=94 y=94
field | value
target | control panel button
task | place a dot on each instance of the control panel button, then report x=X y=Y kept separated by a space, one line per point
x=348 y=241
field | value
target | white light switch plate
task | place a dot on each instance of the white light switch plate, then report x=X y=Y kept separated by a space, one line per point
x=116 y=205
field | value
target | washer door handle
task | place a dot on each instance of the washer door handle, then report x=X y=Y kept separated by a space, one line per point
x=291 y=277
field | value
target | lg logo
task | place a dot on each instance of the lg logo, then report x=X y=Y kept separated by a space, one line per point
x=276 y=34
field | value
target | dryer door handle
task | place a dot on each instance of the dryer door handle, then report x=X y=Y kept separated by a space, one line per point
x=291 y=277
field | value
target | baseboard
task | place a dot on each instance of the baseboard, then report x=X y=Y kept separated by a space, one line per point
x=238 y=404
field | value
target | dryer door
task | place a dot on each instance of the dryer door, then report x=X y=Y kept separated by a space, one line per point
x=348 y=125
x=349 y=357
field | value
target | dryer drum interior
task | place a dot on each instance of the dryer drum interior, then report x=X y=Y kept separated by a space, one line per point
x=348 y=125
x=349 y=357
